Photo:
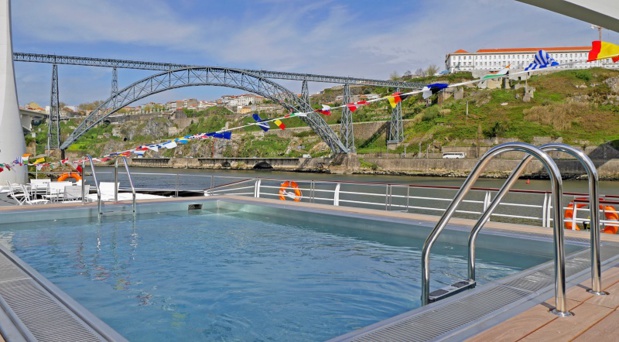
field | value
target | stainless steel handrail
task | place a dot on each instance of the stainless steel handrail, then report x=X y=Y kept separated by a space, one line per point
x=94 y=176
x=124 y=159
x=593 y=179
x=557 y=192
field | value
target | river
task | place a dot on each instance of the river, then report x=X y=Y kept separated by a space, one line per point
x=580 y=186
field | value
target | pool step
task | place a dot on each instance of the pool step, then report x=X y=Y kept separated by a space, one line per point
x=451 y=290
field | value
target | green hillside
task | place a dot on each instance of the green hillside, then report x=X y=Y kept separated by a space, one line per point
x=579 y=106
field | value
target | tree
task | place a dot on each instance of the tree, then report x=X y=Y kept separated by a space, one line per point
x=394 y=76
x=419 y=72
x=431 y=70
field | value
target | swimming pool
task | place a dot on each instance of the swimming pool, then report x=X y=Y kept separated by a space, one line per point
x=233 y=271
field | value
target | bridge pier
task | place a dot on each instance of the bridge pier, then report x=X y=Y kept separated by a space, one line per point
x=12 y=142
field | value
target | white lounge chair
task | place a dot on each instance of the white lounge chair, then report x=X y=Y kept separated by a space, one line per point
x=29 y=200
x=74 y=193
x=16 y=193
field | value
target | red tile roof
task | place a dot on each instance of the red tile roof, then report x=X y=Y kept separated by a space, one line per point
x=547 y=49
x=461 y=51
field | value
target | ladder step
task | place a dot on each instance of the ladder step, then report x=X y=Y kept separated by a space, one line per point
x=451 y=290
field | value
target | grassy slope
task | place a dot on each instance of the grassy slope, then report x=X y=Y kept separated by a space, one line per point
x=552 y=113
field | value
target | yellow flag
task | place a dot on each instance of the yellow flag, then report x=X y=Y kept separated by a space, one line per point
x=603 y=50
x=38 y=161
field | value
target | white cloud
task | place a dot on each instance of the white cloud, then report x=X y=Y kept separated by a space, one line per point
x=361 y=39
x=141 y=22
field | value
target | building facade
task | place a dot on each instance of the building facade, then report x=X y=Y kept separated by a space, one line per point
x=569 y=57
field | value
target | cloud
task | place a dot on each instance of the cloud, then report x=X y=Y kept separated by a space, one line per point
x=141 y=22
x=364 y=38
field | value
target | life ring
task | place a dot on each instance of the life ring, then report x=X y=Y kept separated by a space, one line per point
x=609 y=211
x=295 y=195
x=66 y=175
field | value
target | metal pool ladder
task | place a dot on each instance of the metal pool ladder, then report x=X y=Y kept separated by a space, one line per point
x=557 y=194
x=94 y=175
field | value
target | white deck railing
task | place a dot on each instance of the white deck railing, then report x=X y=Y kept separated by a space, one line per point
x=532 y=207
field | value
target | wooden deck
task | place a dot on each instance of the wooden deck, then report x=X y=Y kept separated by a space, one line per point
x=595 y=318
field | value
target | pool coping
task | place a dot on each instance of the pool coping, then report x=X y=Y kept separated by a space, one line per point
x=124 y=208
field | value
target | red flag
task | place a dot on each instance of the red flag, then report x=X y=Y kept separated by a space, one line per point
x=354 y=105
x=280 y=124
x=79 y=169
x=326 y=110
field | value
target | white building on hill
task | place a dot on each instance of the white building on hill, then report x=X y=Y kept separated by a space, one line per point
x=519 y=58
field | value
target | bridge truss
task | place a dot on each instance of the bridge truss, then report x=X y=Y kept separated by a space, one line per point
x=207 y=76
x=314 y=121
x=157 y=66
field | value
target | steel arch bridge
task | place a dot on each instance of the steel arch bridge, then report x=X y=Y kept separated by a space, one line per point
x=208 y=76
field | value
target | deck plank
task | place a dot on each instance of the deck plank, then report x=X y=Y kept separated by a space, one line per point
x=605 y=330
x=517 y=327
x=567 y=328
x=610 y=301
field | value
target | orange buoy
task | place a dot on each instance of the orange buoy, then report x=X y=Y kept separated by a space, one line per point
x=609 y=212
x=67 y=175
x=295 y=194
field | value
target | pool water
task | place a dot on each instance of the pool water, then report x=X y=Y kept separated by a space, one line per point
x=234 y=275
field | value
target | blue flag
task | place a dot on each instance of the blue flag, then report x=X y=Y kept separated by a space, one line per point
x=542 y=60
x=261 y=124
x=220 y=135
x=433 y=88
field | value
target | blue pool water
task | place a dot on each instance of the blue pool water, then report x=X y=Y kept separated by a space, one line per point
x=232 y=275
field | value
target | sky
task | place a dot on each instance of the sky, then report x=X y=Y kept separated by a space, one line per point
x=357 y=38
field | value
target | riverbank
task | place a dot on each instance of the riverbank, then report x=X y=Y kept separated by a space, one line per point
x=386 y=165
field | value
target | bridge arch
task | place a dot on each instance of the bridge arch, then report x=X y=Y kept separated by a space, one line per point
x=207 y=76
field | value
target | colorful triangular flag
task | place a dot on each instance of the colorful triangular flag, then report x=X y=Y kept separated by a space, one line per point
x=433 y=88
x=261 y=123
x=500 y=73
x=220 y=135
x=326 y=110
x=603 y=50
x=280 y=124
x=542 y=60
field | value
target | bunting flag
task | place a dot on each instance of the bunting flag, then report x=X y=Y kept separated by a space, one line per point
x=39 y=161
x=542 y=60
x=220 y=135
x=298 y=114
x=326 y=110
x=181 y=140
x=169 y=144
x=500 y=73
x=355 y=105
x=433 y=88
x=396 y=98
x=139 y=153
x=280 y=124
x=261 y=123
x=602 y=50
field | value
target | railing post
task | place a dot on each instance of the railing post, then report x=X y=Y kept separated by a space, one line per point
x=257 y=188
x=544 y=216
x=336 y=195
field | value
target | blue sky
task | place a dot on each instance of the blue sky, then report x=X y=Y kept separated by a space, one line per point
x=360 y=38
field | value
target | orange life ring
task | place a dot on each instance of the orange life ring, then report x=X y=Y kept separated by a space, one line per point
x=609 y=212
x=294 y=187
x=66 y=175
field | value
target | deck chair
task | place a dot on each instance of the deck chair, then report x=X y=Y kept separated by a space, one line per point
x=29 y=200
x=74 y=193
x=15 y=192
